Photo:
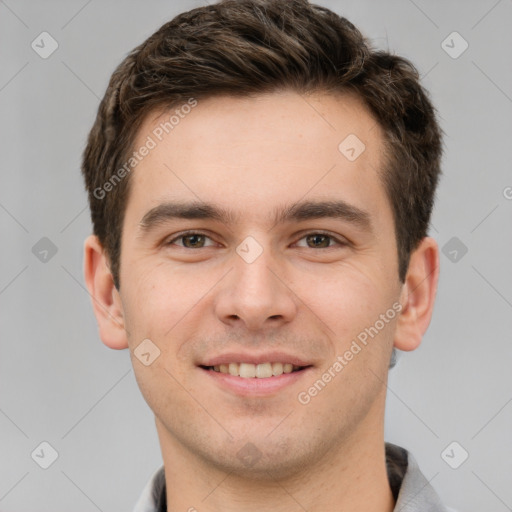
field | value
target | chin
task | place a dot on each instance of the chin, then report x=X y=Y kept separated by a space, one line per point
x=262 y=460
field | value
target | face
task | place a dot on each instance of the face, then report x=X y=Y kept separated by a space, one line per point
x=254 y=244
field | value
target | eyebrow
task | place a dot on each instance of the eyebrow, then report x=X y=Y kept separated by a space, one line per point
x=300 y=211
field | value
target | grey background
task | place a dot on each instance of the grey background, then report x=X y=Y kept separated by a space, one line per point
x=59 y=384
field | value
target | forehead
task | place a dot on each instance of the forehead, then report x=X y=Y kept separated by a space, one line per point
x=247 y=153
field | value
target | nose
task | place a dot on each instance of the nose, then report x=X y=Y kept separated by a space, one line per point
x=255 y=294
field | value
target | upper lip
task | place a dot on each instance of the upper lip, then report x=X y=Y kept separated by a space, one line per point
x=244 y=357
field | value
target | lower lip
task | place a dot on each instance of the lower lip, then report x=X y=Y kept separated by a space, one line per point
x=254 y=386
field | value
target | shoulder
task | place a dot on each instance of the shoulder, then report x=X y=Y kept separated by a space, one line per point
x=412 y=491
x=153 y=497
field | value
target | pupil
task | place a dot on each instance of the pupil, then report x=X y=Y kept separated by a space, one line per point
x=194 y=240
x=319 y=240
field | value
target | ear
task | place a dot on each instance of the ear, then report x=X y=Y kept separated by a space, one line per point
x=418 y=295
x=106 y=301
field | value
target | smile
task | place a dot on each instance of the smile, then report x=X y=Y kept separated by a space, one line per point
x=259 y=371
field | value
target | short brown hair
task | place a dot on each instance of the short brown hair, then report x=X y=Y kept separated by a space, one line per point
x=248 y=47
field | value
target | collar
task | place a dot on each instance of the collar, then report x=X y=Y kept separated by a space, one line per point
x=410 y=488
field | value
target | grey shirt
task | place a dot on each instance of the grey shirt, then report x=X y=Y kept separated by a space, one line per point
x=410 y=488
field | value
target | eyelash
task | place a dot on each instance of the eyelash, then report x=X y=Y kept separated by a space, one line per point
x=191 y=233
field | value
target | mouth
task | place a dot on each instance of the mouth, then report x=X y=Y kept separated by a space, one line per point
x=256 y=371
x=257 y=378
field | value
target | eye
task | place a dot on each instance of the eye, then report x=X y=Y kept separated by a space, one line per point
x=191 y=240
x=320 y=241
x=196 y=240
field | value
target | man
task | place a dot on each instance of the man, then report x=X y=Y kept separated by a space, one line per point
x=261 y=182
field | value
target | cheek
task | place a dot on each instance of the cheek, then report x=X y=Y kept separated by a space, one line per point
x=151 y=302
x=346 y=299
x=157 y=307
x=162 y=299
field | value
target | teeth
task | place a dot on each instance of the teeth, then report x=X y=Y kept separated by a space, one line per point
x=260 y=371
x=247 y=370
x=264 y=370
x=277 y=368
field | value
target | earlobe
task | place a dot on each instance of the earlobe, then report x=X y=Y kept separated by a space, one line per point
x=106 y=301
x=418 y=295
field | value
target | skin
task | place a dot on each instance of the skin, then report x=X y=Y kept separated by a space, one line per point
x=252 y=157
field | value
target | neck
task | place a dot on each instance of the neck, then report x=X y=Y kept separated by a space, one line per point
x=352 y=477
